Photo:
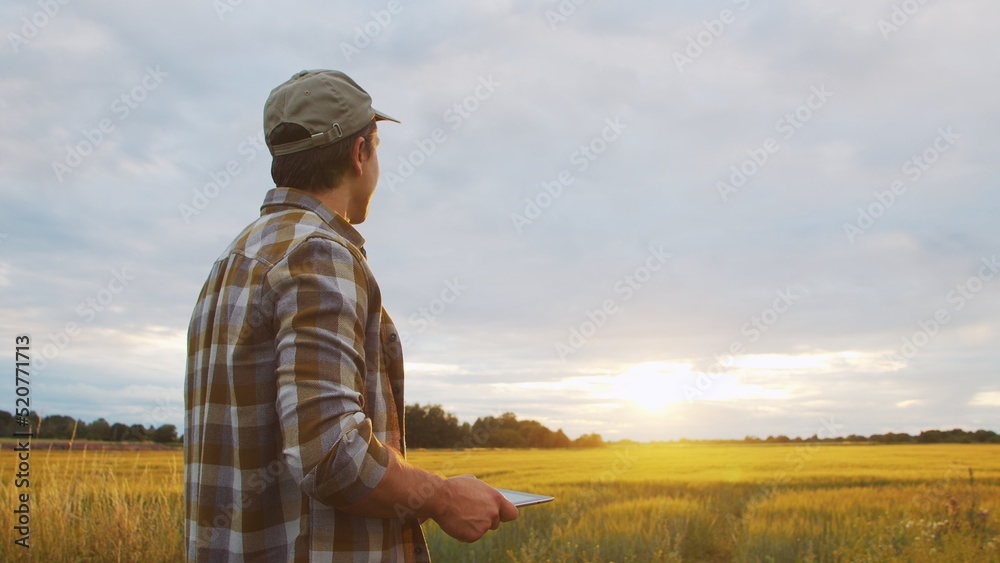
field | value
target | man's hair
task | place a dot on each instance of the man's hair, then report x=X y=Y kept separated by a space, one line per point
x=317 y=169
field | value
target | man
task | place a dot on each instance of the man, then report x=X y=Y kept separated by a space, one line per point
x=294 y=407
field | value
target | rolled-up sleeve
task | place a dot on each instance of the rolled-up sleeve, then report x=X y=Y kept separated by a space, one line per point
x=320 y=300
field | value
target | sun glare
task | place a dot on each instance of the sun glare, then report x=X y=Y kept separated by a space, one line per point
x=654 y=386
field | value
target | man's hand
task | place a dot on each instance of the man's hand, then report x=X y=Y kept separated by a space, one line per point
x=465 y=507
x=469 y=508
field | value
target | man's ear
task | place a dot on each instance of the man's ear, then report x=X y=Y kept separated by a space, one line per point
x=358 y=155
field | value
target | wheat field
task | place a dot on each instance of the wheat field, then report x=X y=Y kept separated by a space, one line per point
x=646 y=502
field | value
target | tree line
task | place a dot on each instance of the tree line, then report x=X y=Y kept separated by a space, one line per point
x=426 y=427
x=430 y=426
x=61 y=427
x=954 y=436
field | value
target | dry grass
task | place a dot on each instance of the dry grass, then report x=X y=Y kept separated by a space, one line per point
x=734 y=502
x=671 y=502
x=98 y=506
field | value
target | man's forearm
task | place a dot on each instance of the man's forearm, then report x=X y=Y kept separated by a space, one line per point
x=404 y=491
x=464 y=507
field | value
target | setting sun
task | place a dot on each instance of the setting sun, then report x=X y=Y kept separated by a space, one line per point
x=652 y=385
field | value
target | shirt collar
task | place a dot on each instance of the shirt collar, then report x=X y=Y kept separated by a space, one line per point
x=291 y=197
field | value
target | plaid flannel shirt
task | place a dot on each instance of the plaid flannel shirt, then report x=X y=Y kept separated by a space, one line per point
x=294 y=390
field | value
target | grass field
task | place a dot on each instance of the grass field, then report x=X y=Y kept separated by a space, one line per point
x=669 y=502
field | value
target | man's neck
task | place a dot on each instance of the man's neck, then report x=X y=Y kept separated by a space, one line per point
x=337 y=199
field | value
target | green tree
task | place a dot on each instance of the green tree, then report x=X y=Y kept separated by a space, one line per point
x=57 y=426
x=431 y=427
x=139 y=433
x=82 y=430
x=560 y=440
x=119 y=432
x=589 y=441
x=6 y=423
x=165 y=434
x=99 y=430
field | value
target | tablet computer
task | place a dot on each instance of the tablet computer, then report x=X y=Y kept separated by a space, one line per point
x=517 y=498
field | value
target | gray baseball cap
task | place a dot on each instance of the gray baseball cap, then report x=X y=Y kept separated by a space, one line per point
x=327 y=103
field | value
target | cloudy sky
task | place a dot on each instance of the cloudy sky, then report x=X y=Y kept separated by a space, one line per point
x=650 y=220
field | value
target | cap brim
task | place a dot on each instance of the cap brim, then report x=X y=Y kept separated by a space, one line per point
x=379 y=116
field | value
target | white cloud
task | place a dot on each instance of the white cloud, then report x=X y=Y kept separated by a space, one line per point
x=494 y=346
x=986 y=399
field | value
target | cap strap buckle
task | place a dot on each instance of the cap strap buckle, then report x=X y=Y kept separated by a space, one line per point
x=316 y=140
